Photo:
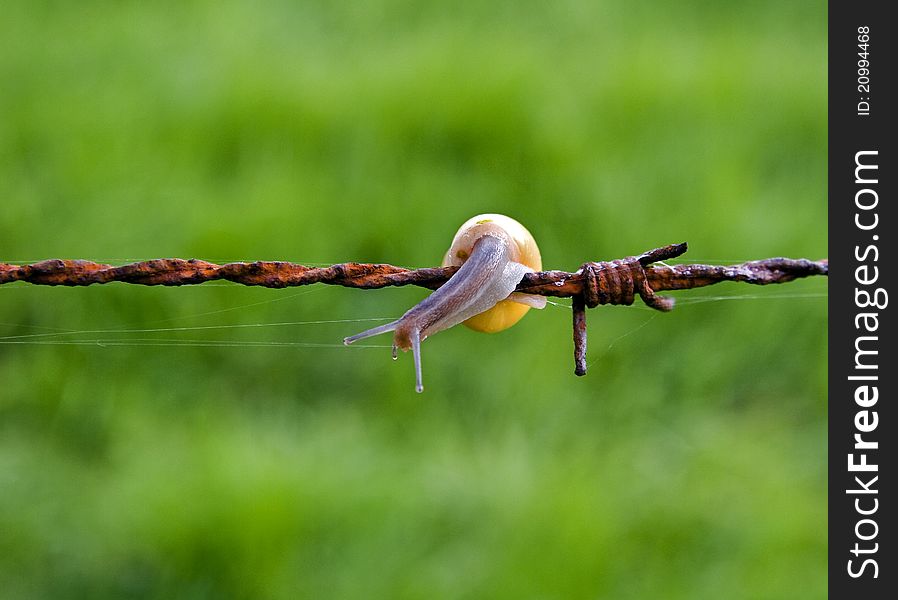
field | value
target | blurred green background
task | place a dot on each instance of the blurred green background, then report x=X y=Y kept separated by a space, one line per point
x=689 y=463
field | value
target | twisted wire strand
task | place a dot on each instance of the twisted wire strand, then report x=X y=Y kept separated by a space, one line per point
x=595 y=283
x=611 y=282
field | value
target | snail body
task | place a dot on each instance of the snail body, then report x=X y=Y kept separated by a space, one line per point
x=494 y=252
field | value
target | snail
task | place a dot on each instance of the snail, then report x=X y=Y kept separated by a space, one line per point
x=494 y=252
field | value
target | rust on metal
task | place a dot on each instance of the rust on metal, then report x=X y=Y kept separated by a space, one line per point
x=594 y=284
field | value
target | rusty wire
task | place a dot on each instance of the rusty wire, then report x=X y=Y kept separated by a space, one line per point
x=594 y=284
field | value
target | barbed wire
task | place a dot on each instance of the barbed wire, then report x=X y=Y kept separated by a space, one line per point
x=593 y=284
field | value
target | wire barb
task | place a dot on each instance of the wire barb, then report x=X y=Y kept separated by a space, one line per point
x=594 y=284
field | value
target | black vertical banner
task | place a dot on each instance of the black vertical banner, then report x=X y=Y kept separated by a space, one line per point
x=863 y=562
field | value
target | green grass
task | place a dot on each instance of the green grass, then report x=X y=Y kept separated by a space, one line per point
x=689 y=463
